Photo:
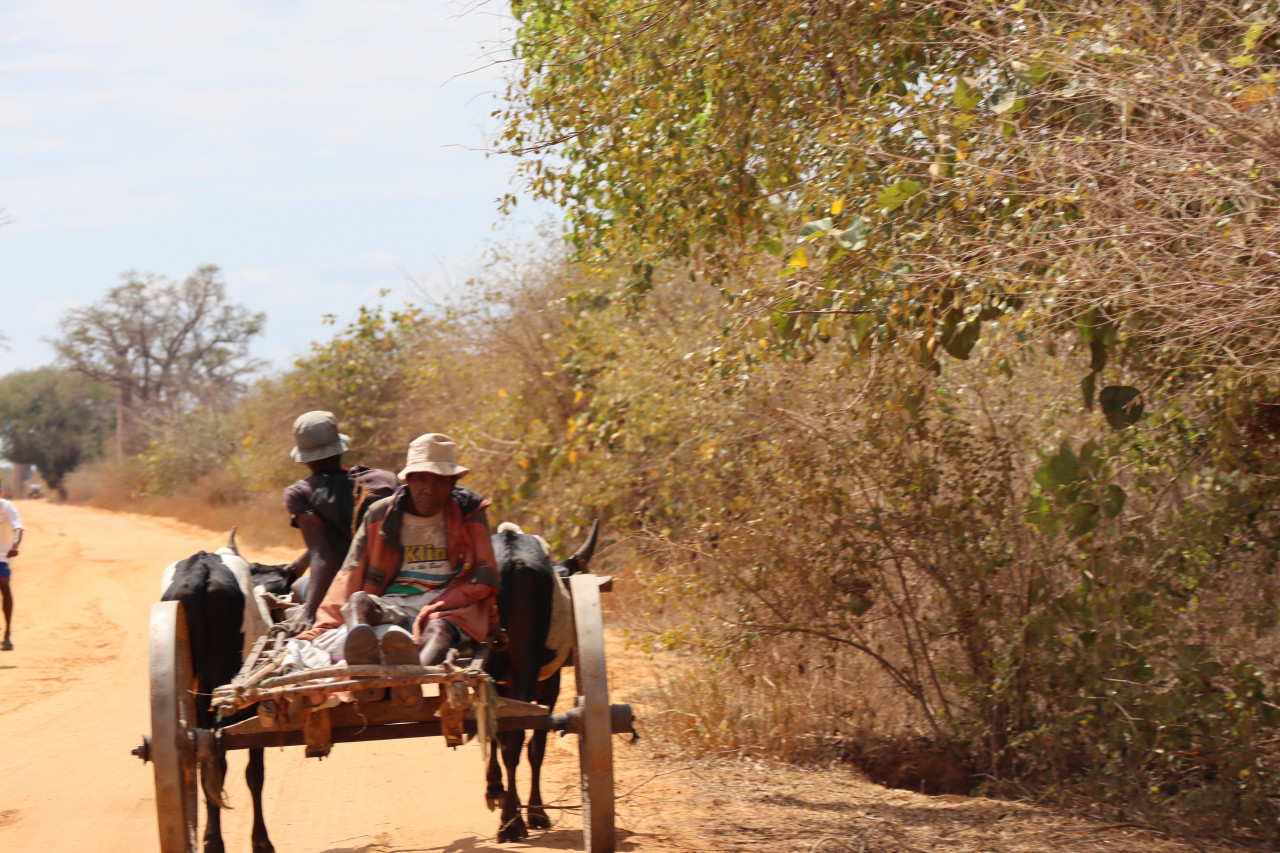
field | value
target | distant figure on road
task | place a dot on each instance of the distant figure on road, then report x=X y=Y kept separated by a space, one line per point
x=35 y=491
x=328 y=505
x=10 y=539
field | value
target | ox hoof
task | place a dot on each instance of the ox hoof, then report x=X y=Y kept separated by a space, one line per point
x=538 y=819
x=494 y=795
x=512 y=830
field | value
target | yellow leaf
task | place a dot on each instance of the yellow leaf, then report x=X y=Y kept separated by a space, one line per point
x=837 y=206
x=799 y=258
x=1254 y=95
x=502 y=392
x=573 y=457
x=523 y=463
x=577 y=398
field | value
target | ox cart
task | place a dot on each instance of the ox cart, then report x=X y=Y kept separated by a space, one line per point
x=466 y=705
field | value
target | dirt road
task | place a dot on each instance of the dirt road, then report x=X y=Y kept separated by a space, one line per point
x=73 y=702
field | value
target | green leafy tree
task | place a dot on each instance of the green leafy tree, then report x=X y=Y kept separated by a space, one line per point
x=164 y=347
x=53 y=419
x=922 y=169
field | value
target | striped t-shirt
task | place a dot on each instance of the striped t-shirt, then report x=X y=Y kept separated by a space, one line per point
x=426 y=565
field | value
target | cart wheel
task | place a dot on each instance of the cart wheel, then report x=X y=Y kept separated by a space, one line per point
x=595 y=744
x=173 y=723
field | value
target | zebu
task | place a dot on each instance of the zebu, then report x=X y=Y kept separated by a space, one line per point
x=531 y=593
x=224 y=618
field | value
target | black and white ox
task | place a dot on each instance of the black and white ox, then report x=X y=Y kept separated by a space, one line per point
x=224 y=619
x=533 y=608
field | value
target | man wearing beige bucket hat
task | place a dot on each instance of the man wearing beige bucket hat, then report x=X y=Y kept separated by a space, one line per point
x=326 y=506
x=421 y=562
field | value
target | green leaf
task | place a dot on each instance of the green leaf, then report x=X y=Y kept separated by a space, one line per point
x=960 y=340
x=1084 y=518
x=1085 y=325
x=772 y=245
x=815 y=228
x=1114 y=501
x=896 y=195
x=967 y=95
x=1061 y=469
x=855 y=236
x=1121 y=404
x=1097 y=354
x=1007 y=101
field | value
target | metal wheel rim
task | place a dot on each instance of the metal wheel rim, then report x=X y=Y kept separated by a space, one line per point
x=173 y=723
x=595 y=744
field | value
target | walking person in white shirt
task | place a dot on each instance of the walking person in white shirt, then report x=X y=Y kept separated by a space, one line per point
x=10 y=539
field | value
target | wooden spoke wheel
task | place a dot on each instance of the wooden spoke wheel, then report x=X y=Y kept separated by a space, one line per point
x=595 y=744
x=173 y=727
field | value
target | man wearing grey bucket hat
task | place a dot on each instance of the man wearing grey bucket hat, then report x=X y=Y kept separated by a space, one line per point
x=326 y=506
x=421 y=561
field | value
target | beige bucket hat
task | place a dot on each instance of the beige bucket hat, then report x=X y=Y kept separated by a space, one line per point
x=433 y=453
x=316 y=436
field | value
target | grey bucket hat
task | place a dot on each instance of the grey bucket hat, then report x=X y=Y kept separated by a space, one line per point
x=316 y=436
x=433 y=453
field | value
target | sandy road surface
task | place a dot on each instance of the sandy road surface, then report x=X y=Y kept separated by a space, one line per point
x=73 y=702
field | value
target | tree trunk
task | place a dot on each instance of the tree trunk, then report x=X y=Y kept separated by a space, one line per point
x=124 y=420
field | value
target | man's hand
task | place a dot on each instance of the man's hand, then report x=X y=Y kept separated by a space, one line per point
x=301 y=622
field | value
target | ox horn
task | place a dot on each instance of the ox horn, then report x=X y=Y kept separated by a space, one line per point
x=231 y=542
x=582 y=557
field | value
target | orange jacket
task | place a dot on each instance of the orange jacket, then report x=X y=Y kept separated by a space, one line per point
x=469 y=601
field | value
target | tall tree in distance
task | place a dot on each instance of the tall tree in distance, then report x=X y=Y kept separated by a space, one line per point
x=164 y=346
x=53 y=419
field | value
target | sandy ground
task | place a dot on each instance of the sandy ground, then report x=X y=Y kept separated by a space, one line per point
x=73 y=703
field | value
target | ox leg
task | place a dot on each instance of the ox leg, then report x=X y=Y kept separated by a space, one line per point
x=537 y=749
x=547 y=693
x=511 y=827
x=255 y=774
x=213 y=814
x=494 y=792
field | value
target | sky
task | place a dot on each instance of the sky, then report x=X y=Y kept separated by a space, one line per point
x=317 y=151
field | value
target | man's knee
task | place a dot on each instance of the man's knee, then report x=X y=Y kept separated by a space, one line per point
x=441 y=628
x=362 y=608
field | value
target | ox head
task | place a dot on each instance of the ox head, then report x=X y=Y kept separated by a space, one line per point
x=581 y=559
x=275 y=578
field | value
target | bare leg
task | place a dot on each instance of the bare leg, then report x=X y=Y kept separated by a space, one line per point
x=7 y=595
x=360 y=613
x=360 y=610
x=439 y=636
